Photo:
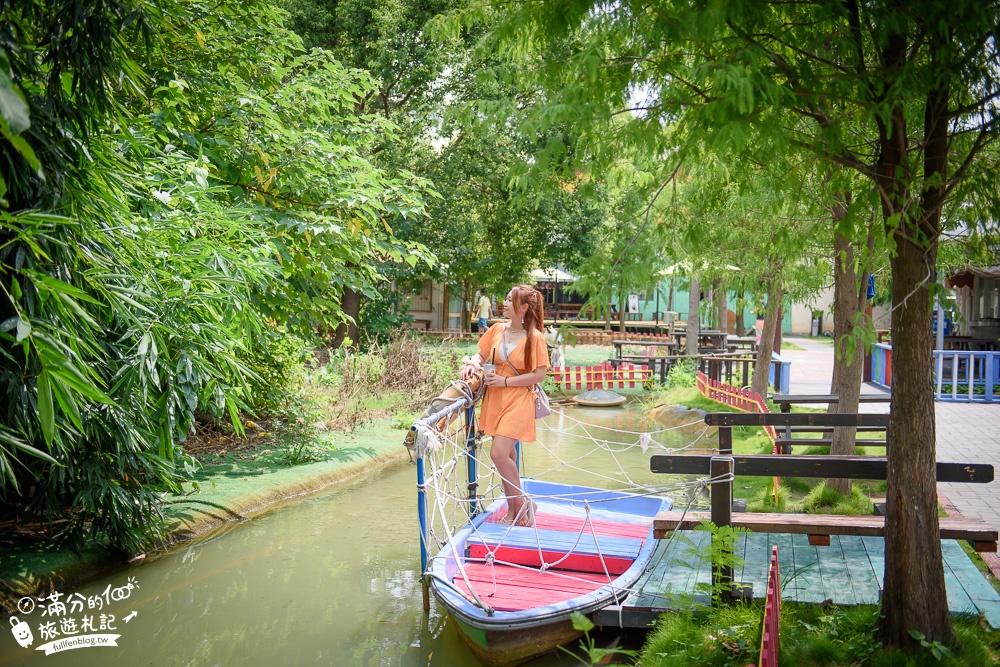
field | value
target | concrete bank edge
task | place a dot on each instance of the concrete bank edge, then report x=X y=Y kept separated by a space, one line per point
x=306 y=480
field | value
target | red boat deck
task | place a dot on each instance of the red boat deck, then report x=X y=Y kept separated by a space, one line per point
x=520 y=588
x=591 y=561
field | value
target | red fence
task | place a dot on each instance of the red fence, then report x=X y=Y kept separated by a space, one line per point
x=772 y=614
x=580 y=336
x=602 y=376
x=744 y=400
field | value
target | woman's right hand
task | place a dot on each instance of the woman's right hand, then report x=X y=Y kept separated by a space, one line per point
x=468 y=369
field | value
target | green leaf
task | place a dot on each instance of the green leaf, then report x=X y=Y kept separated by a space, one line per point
x=66 y=403
x=28 y=153
x=46 y=412
x=581 y=622
x=23 y=329
x=14 y=110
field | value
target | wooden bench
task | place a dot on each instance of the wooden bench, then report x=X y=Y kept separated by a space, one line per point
x=785 y=401
x=789 y=426
x=819 y=527
x=784 y=442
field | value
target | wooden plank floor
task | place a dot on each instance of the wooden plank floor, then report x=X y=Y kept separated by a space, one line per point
x=848 y=572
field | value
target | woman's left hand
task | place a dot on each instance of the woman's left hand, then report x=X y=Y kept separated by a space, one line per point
x=495 y=380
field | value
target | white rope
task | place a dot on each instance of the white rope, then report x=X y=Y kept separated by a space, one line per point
x=446 y=458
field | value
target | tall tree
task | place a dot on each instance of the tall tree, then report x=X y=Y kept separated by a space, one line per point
x=918 y=78
x=853 y=249
x=389 y=41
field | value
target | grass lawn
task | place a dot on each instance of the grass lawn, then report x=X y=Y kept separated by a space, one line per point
x=795 y=494
x=809 y=635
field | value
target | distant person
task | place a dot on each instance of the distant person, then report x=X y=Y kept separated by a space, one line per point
x=517 y=348
x=473 y=319
x=484 y=311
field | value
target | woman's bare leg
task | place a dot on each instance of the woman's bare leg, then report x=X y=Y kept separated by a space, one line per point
x=503 y=452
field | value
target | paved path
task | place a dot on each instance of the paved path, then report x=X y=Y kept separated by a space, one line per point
x=966 y=432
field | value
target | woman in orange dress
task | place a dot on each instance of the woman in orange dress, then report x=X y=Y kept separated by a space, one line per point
x=518 y=349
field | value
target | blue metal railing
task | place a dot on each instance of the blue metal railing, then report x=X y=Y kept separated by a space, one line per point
x=959 y=375
x=963 y=375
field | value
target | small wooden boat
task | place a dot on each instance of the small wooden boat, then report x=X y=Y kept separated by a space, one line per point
x=512 y=589
x=599 y=398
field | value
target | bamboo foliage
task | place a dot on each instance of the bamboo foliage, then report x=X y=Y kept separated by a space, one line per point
x=166 y=222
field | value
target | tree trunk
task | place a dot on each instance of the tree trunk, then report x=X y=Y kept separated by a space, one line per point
x=763 y=365
x=350 y=305
x=720 y=305
x=446 y=308
x=741 y=327
x=846 y=382
x=691 y=333
x=776 y=346
x=467 y=306
x=912 y=538
x=622 y=301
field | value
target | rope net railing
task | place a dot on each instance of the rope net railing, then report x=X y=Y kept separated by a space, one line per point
x=459 y=481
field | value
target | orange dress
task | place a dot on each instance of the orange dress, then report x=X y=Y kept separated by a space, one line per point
x=510 y=411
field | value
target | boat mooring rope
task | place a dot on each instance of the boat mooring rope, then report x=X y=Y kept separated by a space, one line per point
x=441 y=440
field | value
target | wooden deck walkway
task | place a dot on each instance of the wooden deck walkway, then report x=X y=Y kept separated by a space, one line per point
x=848 y=572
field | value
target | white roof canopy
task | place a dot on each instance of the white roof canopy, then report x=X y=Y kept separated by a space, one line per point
x=552 y=275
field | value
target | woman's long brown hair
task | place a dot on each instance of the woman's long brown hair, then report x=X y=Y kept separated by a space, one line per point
x=533 y=322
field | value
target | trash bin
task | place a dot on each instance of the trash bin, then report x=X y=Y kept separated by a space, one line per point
x=817 y=325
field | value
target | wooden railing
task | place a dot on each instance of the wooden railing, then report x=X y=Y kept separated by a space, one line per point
x=724 y=467
x=745 y=400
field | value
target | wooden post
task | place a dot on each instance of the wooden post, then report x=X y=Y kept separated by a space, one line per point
x=725 y=441
x=722 y=515
x=786 y=449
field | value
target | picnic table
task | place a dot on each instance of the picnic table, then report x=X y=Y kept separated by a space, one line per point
x=742 y=342
x=709 y=340
x=651 y=360
x=970 y=343
x=567 y=311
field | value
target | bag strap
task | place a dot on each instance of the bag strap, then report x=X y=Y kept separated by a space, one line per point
x=503 y=354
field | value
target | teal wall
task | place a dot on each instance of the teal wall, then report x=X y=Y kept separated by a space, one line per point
x=680 y=306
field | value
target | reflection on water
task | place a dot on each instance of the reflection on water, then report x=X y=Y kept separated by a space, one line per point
x=328 y=580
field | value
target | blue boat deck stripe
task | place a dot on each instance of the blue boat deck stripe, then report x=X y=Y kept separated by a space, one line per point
x=495 y=534
x=596 y=512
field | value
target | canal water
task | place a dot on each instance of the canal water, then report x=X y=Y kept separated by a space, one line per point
x=332 y=579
